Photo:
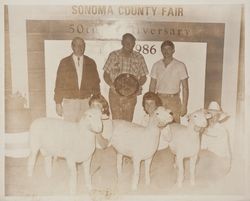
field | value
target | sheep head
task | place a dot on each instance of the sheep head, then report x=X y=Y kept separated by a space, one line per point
x=199 y=118
x=93 y=118
x=163 y=116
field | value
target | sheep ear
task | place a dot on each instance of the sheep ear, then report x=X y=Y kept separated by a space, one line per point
x=223 y=117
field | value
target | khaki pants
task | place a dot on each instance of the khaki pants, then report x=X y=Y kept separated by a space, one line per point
x=122 y=107
x=73 y=109
x=174 y=104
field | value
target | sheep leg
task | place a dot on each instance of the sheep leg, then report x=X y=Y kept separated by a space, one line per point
x=48 y=165
x=119 y=164
x=136 y=174
x=193 y=160
x=147 y=170
x=55 y=159
x=180 y=175
x=31 y=162
x=87 y=175
x=72 y=177
x=175 y=165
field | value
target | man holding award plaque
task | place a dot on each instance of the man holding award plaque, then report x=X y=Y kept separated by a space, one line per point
x=125 y=72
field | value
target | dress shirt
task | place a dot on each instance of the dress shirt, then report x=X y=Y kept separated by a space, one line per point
x=78 y=64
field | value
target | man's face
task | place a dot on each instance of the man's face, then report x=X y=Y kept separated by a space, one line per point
x=167 y=51
x=78 y=47
x=150 y=106
x=128 y=44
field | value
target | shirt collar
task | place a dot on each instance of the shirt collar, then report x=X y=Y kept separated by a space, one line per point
x=75 y=57
x=169 y=63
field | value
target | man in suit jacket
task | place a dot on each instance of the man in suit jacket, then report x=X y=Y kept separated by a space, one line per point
x=77 y=80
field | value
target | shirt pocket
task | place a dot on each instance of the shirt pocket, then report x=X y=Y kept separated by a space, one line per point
x=135 y=68
x=116 y=68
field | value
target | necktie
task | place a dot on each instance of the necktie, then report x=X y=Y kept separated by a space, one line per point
x=78 y=60
x=79 y=71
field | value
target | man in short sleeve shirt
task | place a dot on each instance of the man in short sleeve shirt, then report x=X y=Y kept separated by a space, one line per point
x=124 y=60
x=168 y=75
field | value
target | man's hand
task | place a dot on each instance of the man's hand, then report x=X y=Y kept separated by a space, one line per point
x=139 y=92
x=112 y=87
x=59 y=109
x=183 y=110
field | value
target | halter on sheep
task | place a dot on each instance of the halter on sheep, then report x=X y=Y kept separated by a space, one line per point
x=73 y=141
x=139 y=142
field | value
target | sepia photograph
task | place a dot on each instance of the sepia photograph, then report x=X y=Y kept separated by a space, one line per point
x=124 y=100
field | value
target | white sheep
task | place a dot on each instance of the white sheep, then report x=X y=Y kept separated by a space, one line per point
x=184 y=142
x=138 y=142
x=73 y=141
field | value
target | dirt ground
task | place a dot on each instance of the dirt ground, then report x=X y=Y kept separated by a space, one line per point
x=212 y=176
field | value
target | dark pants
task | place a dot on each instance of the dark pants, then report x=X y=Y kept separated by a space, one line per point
x=122 y=107
x=174 y=104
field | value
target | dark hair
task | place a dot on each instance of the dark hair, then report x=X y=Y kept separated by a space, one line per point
x=128 y=35
x=167 y=43
x=76 y=38
x=151 y=96
x=100 y=98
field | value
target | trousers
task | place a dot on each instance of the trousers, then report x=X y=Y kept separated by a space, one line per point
x=73 y=109
x=174 y=104
x=122 y=107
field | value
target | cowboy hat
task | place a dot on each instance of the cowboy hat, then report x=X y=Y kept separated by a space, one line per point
x=215 y=108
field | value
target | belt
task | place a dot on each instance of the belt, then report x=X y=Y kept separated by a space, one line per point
x=77 y=98
x=169 y=95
